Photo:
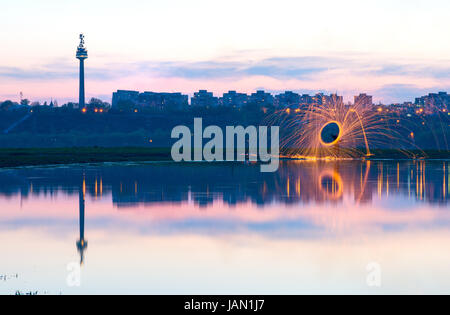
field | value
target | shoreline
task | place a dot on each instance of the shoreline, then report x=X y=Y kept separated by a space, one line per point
x=87 y=155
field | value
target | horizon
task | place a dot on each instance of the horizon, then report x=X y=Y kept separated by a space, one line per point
x=190 y=95
x=393 y=51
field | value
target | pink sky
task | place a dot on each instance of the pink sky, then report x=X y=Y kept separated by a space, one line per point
x=393 y=50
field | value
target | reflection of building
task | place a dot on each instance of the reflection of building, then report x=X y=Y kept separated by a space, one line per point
x=82 y=243
x=294 y=183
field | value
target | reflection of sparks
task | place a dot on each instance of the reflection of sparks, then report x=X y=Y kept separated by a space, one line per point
x=337 y=185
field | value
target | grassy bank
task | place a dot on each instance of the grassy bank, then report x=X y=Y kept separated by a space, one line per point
x=44 y=156
x=50 y=156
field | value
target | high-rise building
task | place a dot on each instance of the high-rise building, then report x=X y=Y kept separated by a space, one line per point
x=336 y=99
x=120 y=96
x=287 y=99
x=434 y=101
x=234 y=99
x=82 y=55
x=306 y=99
x=262 y=98
x=318 y=99
x=203 y=98
x=174 y=101
x=364 y=100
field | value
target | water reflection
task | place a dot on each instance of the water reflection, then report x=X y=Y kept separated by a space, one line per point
x=82 y=243
x=234 y=184
x=175 y=225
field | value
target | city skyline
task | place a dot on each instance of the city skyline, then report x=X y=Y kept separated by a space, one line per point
x=397 y=55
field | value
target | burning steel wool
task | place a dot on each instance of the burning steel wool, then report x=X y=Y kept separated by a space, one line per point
x=333 y=130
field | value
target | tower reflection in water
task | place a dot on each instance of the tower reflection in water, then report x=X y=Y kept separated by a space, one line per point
x=150 y=187
x=234 y=184
x=82 y=243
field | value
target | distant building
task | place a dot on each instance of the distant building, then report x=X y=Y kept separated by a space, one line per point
x=406 y=107
x=306 y=99
x=124 y=96
x=174 y=101
x=154 y=100
x=234 y=99
x=336 y=99
x=262 y=98
x=434 y=102
x=364 y=100
x=287 y=99
x=321 y=99
x=203 y=98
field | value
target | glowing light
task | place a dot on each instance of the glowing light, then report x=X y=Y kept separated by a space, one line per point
x=330 y=134
x=84 y=110
x=331 y=185
x=333 y=131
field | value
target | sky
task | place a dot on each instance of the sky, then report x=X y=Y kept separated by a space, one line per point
x=395 y=50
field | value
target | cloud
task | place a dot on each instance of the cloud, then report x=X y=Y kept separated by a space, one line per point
x=441 y=72
x=57 y=71
x=399 y=93
x=300 y=68
x=281 y=68
x=305 y=67
x=388 y=81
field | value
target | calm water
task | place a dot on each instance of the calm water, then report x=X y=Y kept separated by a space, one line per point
x=226 y=229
